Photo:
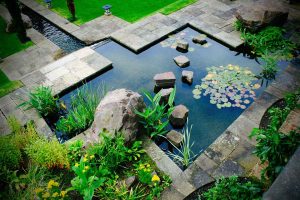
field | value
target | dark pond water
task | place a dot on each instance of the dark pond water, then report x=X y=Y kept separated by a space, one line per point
x=65 y=41
x=136 y=72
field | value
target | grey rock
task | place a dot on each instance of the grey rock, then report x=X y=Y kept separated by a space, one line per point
x=182 y=61
x=198 y=39
x=130 y=181
x=187 y=76
x=116 y=113
x=165 y=94
x=255 y=19
x=175 y=137
x=165 y=80
x=179 y=116
x=183 y=45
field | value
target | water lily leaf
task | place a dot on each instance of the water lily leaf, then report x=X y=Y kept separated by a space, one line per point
x=196 y=96
x=219 y=106
x=196 y=92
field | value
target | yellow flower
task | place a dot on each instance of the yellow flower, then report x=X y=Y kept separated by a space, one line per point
x=86 y=167
x=83 y=171
x=38 y=190
x=86 y=155
x=76 y=164
x=85 y=159
x=46 y=195
x=55 y=184
x=55 y=194
x=63 y=193
x=92 y=156
x=50 y=184
x=155 y=178
x=147 y=165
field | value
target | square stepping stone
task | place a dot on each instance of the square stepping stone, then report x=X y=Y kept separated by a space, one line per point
x=182 y=61
x=165 y=80
x=187 y=76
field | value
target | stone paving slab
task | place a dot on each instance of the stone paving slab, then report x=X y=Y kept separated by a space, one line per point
x=69 y=70
x=90 y=32
x=22 y=63
x=143 y=33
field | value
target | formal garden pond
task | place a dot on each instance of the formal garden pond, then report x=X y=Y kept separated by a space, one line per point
x=211 y=108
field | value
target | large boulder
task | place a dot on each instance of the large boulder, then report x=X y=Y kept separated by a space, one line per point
x=116 y=113
x=10 y=26
x=256 y=18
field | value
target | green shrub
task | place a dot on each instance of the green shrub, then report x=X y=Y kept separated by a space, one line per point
x=231 y=188
x=48 y=154
x=270 y=40
x=81 y=115
x=75 y=151
x=10 y=154
x=275 y=147
x=155 y=117
x=269 y=69
x=42 y=100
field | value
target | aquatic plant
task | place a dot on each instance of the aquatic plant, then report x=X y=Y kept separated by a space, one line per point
x=81 y=114
x=229 y=86
x=185 y=154
x=155 y=116
x=42 y=99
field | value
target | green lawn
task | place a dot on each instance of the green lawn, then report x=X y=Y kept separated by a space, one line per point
x=9 y=42
x=7 y=86
x=129 y=10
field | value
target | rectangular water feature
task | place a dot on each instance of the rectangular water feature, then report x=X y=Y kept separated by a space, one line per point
x=136 y=71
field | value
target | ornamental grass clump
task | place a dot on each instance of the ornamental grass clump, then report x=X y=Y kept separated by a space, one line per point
x=42 y=99
x=81 y=114
x=185 y=154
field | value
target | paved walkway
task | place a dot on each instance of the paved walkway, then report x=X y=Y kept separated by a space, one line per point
x=41 y=53
x=91 y=32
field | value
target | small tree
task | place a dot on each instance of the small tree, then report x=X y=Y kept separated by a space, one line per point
x=15 y=12
x=71 y=7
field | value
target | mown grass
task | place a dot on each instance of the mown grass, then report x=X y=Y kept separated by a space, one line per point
x=177 y=5
x=7 y=86
x=9 y=42
x=129 y=10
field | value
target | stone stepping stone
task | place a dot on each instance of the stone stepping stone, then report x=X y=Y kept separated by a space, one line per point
x=187 y=76
x=179 y=116
x=182 y=61
x=199 y=39
x=165 y=80
x=175 y=137
x=165 y=94
x=182 y=45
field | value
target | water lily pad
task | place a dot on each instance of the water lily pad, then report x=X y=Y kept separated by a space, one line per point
x=197 y=96
x=206 y=45
x=219 y=106
x=196 y=92
x=204 y=86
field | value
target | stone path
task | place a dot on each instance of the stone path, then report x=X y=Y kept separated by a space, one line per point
x=91 y=32
x=19 y=64
x=59 y=75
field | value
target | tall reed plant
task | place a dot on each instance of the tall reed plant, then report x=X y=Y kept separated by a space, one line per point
x=81 y=114
x=42 y=99
x=185 y=154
